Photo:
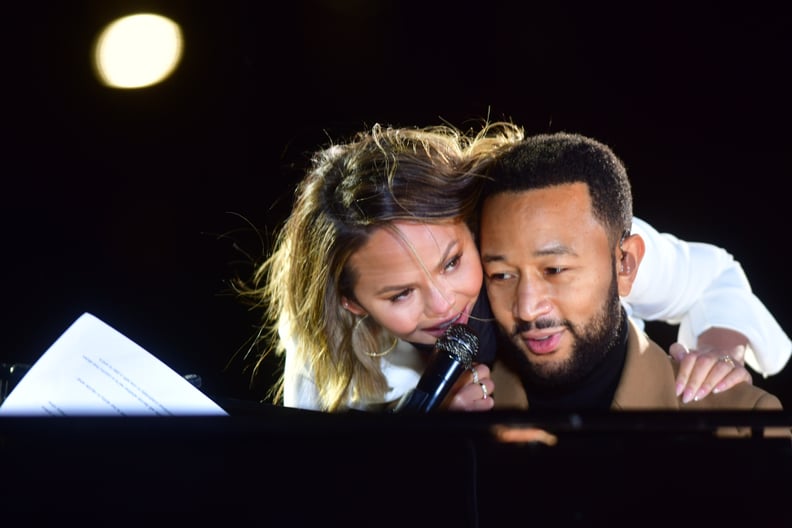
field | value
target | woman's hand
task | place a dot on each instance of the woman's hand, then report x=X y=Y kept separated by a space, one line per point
x=714 y=366
x=473 y=390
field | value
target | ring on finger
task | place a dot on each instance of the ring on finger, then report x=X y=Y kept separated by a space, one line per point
x=475 y=374
x=484 y=390
x=727 y=359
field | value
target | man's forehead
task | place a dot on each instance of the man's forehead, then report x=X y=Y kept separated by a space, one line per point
x=551 y=220
x=568 y=199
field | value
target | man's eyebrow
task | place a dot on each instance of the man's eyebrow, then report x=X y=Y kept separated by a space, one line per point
x=550 y=249
x=492 y=258
x=555 y=249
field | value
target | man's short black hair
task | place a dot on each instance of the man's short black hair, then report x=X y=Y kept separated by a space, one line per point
x=546 y=160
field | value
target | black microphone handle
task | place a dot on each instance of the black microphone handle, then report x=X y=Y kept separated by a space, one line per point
x=413 y=402
x=453 y=353
x=433 y=387
x=437 y=382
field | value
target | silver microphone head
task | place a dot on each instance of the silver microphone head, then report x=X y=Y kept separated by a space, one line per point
x=460 y=342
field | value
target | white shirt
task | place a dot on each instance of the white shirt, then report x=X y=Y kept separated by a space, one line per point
x=699 y=286
x=695 y=285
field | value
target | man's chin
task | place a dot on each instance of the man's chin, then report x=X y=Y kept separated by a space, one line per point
x=548 y=366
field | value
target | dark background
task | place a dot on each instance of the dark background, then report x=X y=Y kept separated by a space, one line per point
x=139 y=206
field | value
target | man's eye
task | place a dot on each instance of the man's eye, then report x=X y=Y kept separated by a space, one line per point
x=499 y=276
x=553 y=271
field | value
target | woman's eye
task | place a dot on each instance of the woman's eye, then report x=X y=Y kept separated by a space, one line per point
x=401 y=295
x=453 y=263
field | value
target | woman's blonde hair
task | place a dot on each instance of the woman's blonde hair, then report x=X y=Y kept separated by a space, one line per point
x=384 y=174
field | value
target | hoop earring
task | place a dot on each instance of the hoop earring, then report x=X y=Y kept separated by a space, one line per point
x=357 y=323
x=386 y=351
x=377 y=354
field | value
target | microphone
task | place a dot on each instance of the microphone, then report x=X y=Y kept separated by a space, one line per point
x=453 y=353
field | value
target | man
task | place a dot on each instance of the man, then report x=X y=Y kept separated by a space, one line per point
x=558 y=254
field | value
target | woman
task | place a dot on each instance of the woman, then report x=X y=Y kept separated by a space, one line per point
x=378 y=258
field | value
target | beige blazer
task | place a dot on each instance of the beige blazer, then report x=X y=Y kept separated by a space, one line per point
x=648 y=383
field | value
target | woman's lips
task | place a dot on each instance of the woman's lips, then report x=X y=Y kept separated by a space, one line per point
x=438 y=330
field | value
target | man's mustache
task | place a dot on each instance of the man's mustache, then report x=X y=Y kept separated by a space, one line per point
x=539 y=324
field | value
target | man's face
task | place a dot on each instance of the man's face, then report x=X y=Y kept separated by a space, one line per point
x=551 y=279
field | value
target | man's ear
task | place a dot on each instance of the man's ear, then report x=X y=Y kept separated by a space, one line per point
x=352 y=307
x=629 y=257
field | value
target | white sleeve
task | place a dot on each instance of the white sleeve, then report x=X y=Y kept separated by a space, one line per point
x=699 y=286
x=299 y=387
x=402 y=368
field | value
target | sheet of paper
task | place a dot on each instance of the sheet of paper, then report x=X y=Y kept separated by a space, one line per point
x=92 y=369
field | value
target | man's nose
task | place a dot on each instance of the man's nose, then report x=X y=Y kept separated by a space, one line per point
x=532 y=299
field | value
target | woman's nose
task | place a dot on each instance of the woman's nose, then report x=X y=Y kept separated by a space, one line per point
x=440 y=300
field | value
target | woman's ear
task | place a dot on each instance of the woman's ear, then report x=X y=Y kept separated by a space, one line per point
x=352 y=307
x=629 y=254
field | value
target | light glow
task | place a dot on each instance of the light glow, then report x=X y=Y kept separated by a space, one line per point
x=137 y=51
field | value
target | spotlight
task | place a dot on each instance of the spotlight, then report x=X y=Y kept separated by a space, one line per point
x=137 y=51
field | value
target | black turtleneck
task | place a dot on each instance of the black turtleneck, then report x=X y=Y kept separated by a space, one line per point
x=595 y=391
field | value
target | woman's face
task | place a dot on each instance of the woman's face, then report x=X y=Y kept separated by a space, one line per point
x=417 y=281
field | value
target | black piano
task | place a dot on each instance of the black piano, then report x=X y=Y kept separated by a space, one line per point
x=272 y=466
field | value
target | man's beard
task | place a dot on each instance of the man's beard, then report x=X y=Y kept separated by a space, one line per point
x=592 y=343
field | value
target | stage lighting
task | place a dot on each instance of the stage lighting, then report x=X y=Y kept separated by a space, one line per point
x=137 y=51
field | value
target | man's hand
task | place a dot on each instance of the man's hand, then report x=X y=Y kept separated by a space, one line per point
x=716 y=365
